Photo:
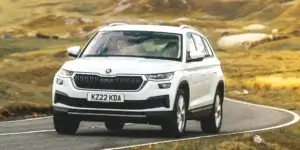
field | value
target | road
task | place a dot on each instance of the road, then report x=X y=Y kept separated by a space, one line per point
x=39 y=134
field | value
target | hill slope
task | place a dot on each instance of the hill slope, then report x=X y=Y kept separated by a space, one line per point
x=289 y=19
x=19 y=10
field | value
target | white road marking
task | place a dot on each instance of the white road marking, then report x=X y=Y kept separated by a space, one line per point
x=27 y=132
x=296 y=118
x=22 y=120
x=41 y=131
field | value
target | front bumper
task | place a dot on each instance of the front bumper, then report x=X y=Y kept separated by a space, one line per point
x=154 y=118
x=149 y=98
x=162 y=101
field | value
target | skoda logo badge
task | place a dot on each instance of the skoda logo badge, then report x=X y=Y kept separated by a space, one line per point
x=108 y=70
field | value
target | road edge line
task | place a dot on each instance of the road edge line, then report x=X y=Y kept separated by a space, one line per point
x=296 y=118
x=26 y=132
x=23 y=120
x=36 y=131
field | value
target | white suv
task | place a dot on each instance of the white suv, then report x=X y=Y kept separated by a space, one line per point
x=150 y=74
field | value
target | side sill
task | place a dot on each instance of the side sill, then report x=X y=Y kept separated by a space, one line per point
x=199 y=113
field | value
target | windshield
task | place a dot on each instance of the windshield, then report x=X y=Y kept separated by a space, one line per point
x=145 y=44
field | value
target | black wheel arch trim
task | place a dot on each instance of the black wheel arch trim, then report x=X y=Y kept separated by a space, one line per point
x=185 y=82
x=221 y=84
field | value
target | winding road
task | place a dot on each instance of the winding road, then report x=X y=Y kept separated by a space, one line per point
x=37 y=134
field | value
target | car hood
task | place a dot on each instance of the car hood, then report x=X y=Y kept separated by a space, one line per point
x=122 y=65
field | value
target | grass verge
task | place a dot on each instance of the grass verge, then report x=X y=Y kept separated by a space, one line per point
x=282 y=139
x=26 y=75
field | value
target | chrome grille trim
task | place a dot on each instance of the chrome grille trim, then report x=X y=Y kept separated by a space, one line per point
x=144 y=81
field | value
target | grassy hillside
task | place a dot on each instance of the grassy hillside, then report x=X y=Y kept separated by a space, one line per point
x=289 y=19
x=27 y=68
x=267 y=13
x=24 y=17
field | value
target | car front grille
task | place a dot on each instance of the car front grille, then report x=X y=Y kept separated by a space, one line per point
x=85 y=81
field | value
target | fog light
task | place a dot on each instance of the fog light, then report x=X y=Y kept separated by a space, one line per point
x=164 y=85
x=59 y=81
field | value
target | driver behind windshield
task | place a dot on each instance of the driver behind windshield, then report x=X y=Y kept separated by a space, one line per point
x=135 y=44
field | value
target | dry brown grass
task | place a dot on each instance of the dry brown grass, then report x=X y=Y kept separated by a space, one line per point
x=237 y=142
x=48 y=16
x=289 y=19
x=291 y=43
x=268 y=13
x=26 y=77
x=272 y=75
x=25 y=82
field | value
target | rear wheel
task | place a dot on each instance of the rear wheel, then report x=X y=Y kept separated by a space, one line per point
x=213 y=122
x=64 y=124
x=114 y=125
x=175 y=126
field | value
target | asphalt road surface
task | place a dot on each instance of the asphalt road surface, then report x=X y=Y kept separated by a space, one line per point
x=39 y=134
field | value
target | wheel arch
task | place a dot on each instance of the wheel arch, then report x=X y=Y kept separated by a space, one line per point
x=186 y=88
x=221 y=89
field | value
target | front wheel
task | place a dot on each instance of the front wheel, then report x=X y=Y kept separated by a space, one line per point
x=175 y=126
x=64 y=124
x=213 y=122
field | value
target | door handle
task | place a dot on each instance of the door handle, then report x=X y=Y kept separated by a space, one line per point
x=202 y=73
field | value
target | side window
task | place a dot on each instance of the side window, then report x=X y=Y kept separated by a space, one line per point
x=208 y=46
x=199 y=44
x=190 y=44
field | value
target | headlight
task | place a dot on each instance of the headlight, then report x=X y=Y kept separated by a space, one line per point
x=160 y=76
x=65 y=73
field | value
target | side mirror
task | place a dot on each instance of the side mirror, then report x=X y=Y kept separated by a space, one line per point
x=197 y=55
x=73 y=51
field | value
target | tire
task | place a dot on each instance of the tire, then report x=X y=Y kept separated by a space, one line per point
x=114 y=125
x=212 y=123
x=64 y=124
x=175 y=125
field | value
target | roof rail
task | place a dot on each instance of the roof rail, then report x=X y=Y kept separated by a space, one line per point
x=117 y=24
x=187 y=26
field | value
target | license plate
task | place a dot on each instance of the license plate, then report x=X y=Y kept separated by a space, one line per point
x=106 y=97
